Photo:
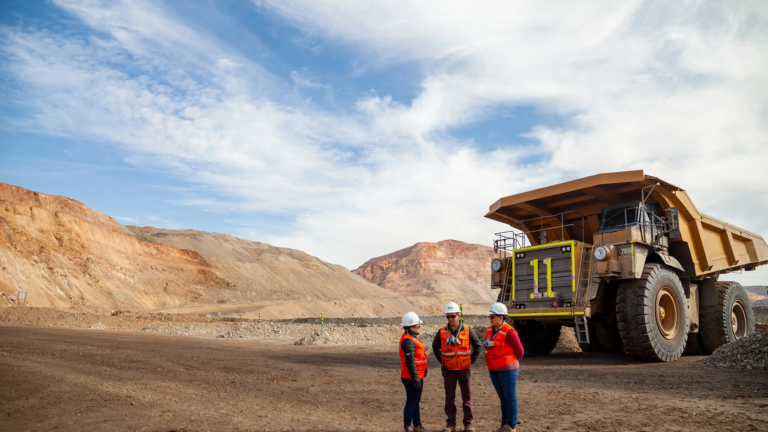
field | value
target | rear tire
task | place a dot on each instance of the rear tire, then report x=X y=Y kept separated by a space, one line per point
x=593 y=345
x=694 y=347
x=731 y=319
x=602 y=338
x=609 y=338
x=538 y=339
x=652 y=315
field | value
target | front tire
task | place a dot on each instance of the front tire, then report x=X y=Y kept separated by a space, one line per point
x=731 y=319
x=652 y=315
x=538 y=339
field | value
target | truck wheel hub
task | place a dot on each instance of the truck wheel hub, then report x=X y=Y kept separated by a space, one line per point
x=738 y=320
x=667 y=313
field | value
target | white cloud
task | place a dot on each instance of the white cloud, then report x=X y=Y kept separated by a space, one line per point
x=126 y=219
x=677 y=89
x=672 y=88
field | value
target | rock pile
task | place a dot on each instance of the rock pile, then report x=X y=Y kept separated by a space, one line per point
x=567 y=342
x=748 y=353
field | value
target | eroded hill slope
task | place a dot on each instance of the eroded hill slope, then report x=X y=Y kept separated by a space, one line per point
x=68 y=256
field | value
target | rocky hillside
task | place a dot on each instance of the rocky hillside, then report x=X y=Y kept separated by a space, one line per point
x=757 y=295
x=449 y=270
x=68 y=256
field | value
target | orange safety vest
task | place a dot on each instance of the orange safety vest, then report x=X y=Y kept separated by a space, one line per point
x=455 y=357
x=501 y=353
x=420 y=357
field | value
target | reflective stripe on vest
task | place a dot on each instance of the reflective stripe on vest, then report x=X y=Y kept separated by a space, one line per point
x=455 y=357
x=501 y=353
x=420 y=357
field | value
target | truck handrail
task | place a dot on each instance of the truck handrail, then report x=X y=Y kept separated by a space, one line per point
x=521 y=237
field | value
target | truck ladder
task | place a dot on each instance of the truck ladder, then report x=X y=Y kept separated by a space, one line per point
x=582 y=332
x=585 y=271
x=506 y=290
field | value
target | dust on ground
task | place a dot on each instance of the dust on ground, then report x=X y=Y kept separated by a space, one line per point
x=104 y=380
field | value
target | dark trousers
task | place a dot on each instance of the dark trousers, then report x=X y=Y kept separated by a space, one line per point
x=449 y=381
x=505 y=384
x=413 y=397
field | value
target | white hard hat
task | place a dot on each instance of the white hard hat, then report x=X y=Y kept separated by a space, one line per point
x=498 y=309
x=452 y=308
x=410 y=319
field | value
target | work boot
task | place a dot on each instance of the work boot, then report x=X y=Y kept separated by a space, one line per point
x=469 y=429
x=408 y=429
x=419 y=428
x=449 y=429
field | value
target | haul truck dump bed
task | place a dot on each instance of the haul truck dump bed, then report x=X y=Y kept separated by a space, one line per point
x=587 y=252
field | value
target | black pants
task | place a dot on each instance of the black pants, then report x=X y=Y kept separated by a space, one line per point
x=413 y=397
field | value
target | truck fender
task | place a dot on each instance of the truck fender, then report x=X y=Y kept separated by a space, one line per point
x=672 y=262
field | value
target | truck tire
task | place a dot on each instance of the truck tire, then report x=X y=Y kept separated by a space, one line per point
x=609 y=338
x=732 y=318
x=538 y=339
x=652 y=315
x=602 y=338
x=694 y=347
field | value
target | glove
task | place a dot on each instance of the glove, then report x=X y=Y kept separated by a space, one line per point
x=488 y=343
x=417 y=385
x=444 y=371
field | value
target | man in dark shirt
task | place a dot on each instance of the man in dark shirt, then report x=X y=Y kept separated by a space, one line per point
x=456 y=348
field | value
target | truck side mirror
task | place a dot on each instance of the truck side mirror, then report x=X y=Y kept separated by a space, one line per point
x=673 y=223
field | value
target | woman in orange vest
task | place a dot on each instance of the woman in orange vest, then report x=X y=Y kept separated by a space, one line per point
x=502 y=352
x=413 y=369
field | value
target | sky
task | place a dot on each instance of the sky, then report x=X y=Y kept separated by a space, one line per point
x=352 y=129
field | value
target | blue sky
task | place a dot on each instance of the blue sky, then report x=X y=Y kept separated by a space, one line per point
x=350 y=130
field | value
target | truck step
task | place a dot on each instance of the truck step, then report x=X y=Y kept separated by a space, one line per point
x=582 y=331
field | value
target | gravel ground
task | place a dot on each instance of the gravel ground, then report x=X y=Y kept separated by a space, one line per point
x=747 y=353
x=75 y=380
x=359 y=333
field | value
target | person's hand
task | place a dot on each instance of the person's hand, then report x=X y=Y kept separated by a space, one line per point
x=417 y=385
x=444 y=371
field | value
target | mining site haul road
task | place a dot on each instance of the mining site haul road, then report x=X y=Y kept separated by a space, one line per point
x=628 y=261
x=75 y=380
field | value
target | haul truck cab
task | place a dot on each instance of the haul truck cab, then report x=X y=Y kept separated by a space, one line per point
x=628 y=261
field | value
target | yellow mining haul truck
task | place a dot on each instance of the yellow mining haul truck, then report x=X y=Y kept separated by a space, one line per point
x=628 y=261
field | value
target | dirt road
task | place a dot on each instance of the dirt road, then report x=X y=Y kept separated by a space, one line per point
x=101 y=380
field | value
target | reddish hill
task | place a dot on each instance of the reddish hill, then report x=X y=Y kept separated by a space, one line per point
x=449 y=270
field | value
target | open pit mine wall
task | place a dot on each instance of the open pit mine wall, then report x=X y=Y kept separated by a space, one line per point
x=65 y=255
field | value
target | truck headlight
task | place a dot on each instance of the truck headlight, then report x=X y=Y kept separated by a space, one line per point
x=601 y=253
x=496 y=265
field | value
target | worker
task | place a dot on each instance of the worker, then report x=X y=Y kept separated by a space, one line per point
x=413 y=369
x=503 y=352
x=456 y=348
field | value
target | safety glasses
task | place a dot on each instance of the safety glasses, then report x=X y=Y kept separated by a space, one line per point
x=451 y=316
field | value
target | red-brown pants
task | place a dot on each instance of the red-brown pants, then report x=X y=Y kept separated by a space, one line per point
x=449 y=381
